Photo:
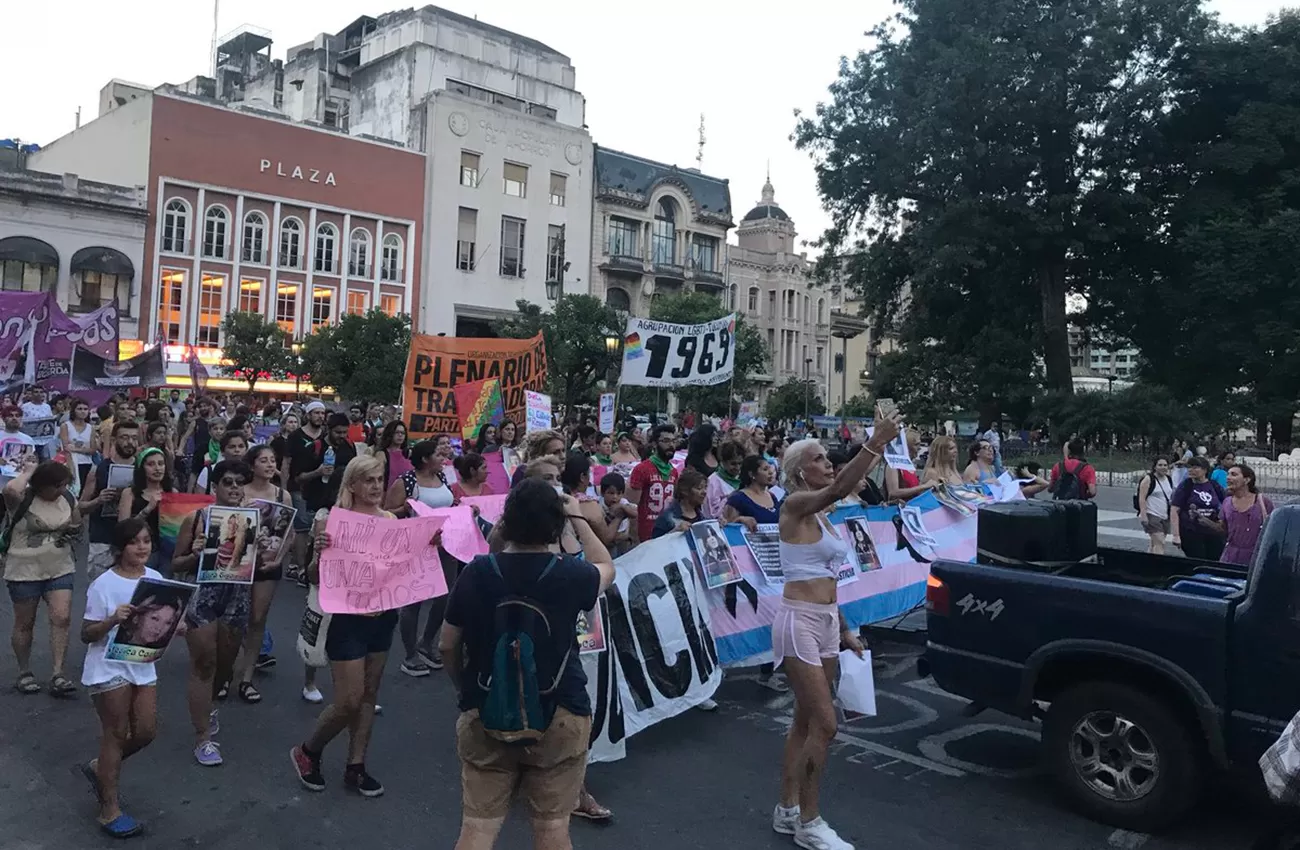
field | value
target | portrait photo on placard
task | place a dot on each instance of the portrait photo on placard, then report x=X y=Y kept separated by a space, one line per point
x=229 y=549
x=276 y=525
x=591 y=631
x=864 y=551
x=717 y=564
x=157 y=606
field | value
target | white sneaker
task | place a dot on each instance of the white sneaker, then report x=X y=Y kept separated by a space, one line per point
x=817 y=834
x=312 y=694
x=707 y=705
x=785 y=821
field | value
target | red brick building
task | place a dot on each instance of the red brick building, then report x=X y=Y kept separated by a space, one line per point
x=249 y=212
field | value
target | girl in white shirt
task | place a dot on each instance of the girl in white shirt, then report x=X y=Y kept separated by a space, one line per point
x=125 y=693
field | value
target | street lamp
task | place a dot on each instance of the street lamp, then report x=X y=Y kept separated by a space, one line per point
x=612 y=343
x=296 y=348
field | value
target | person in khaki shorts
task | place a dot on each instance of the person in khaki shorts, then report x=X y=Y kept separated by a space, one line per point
x=547 y=775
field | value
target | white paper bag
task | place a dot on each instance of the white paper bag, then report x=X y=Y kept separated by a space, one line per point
x=857 y=688
x=313 y=631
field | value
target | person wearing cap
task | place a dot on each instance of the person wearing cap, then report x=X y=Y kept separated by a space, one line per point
x=11 y=459
x=303 y=450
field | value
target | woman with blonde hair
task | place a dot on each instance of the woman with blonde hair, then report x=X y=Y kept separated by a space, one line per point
x=356 y=645
x=941 y=465
x=537 y=445
x=809 y=630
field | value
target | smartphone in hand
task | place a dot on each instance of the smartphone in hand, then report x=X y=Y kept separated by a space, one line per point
x=886 y=406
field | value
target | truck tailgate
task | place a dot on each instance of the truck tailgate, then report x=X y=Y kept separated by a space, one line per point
x=1001 y=624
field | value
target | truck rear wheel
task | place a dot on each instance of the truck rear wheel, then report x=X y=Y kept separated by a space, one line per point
x=1122 y=756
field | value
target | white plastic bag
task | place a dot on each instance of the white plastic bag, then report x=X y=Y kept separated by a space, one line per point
x=313 y=630
x=857 y=688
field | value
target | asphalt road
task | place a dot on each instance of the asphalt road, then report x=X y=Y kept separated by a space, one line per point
x=920 y=775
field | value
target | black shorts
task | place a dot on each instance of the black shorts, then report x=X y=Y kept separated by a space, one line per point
x=269 y=575
x=354 y=636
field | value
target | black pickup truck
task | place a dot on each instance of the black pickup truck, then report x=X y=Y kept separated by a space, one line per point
x=1149 y=672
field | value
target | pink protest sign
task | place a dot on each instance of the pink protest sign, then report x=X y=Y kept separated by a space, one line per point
x=376 y=564
x=498 y=471
x=461 y=537
x=489 y=507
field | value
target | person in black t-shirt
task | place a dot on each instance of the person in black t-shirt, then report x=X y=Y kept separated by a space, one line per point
x=548 y=775
x=319 y=482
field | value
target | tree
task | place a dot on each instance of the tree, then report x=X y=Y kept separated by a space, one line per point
x=254 y=348
x=575 y=331
x=988 y=151
x=858 y=405
x=693 y=308
x=363 y=357
x=1216 y=313
x=792 y=399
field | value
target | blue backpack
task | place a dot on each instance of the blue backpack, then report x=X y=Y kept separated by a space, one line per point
x=525 y=670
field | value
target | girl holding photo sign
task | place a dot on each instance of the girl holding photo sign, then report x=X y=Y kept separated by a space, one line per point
x=125 y=693
x=809 y=630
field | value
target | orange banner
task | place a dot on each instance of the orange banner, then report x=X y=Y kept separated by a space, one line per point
x=440 y=363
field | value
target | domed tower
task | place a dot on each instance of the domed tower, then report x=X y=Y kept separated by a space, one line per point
x=767 y=227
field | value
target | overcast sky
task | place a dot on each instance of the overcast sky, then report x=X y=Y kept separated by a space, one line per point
x=647 y=69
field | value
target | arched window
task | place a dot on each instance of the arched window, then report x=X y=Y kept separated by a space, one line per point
x=359 y=253
x=216 y=221
x=618 y=299
x=821 y=311
x=390 y=264
x=176 y=226
x=753 y=300
x=664 y=238
x=807 y=312
x=291 y=243
x=327 y=240
x=254 y=250
x=28 y=264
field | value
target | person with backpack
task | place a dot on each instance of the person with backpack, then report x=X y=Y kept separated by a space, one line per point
x=1152 y=504
x=1195 y=525
x=1073 y=477
x=42 y=522
x=510 y=646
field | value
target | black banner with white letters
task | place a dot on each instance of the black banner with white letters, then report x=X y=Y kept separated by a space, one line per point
x=92 y=372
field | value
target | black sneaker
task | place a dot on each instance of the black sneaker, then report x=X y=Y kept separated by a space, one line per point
x=265 y=662
x=356 y=778
x=308 y=770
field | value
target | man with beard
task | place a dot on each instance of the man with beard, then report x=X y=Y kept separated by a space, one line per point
x=99 y=502
x=303 y=451
x=652 y=482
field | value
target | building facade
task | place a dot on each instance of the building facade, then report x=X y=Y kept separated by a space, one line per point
x=82 y=240
x=253 y=213
x=656 y=229
x=1100 y=360
x=776 y=291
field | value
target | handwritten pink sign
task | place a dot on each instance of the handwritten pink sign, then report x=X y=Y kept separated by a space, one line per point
x=377 y=564
x=489 y=507
x=460 y=532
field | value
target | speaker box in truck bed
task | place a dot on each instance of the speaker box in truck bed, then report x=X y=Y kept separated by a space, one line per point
x=1036 y=534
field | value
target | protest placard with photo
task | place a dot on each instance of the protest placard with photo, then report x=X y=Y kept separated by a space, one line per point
x=864 y=550
x=229 y=549
x=914 y=523
x=277 y=523
x=717 y=564
x=765 y=545
x=157 y=606
x=591 y=631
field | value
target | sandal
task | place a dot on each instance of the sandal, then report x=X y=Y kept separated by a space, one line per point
x=27 y=684
x=591 y=810
x=61 y=686
x=122 y=826
x=248 y=693
x=223 y=691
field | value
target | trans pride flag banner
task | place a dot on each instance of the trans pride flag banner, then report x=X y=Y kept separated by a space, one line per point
x=741 y=614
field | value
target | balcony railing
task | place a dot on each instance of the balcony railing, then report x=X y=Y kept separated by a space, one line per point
x=670 y=270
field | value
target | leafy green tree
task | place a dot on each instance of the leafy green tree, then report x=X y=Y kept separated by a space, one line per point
x=986 y=153
x=791 y=400
x=693 y=308
x=575 y=330
x=254 y=348
x=363 y=357
x=858 y=405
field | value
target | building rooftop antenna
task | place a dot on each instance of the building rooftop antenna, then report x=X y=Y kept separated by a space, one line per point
x=699 y=154
x=216 y=11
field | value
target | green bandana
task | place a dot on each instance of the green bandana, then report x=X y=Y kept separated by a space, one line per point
x=144 y=453
x=734 y=483
x=603 y=460
x=665 y=468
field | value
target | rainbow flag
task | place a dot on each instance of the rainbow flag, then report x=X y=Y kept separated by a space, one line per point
x=173 y=508
x=478 y=403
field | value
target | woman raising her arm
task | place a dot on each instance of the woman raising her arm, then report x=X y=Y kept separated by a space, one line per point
x=809 y=629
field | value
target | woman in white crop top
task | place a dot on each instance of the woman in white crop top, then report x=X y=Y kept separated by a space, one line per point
x=809 y=629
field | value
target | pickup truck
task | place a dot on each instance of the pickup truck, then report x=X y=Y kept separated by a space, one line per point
x=1149 y=672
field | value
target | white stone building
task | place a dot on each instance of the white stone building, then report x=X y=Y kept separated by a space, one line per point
x=776 y=291
x=80 y=239
x=657 y=229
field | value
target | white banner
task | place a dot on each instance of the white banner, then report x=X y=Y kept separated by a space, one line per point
x=664 y=660
x=537 y=407
x=663 y=354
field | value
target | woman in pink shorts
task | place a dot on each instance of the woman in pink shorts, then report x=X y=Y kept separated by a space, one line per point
x=809 y=630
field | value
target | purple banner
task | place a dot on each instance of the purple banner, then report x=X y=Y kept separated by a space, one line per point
x=57 y=334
